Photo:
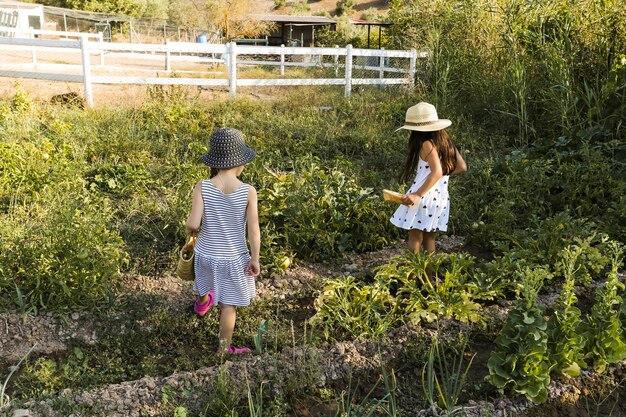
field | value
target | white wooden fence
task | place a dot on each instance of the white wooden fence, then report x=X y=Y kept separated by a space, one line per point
x=226 y=54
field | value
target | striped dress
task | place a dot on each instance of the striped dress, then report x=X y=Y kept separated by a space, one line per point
x=221 y=253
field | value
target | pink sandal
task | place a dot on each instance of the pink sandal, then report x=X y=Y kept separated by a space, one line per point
x=236 y=350
x=201 y=309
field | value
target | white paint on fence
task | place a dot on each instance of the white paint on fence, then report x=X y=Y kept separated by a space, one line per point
x=86 y=70
x=228 y=54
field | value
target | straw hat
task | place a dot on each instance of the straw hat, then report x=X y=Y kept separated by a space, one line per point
x=423 y=117
x=227 y=149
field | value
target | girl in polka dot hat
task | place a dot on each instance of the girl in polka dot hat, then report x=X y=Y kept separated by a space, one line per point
x=432 y=156
x=223 y=207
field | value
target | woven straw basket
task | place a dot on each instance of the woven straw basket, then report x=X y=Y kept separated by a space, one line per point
x=184 y=269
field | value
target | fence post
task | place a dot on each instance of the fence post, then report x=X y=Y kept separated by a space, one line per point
x=412 y=66
x=337 y=60
x=381 y=71
x=101 y=41
x=33 y=51
x=282 y=59
x=232 y=68
x=168 y=64
x=348 y=71
x=84 y=50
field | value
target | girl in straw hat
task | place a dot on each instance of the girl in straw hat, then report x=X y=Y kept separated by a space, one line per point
x=432 y=156
x=222 y=207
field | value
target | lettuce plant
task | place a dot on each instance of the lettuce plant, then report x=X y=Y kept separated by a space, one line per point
x=605 y=335
x=521 y=361
x=564 y=337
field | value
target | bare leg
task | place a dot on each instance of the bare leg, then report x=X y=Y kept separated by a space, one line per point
x=429 y=242
x=203 y=299
x=228 y=315
x=415 y=240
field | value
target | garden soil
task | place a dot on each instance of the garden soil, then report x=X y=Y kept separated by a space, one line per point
x=53 y=334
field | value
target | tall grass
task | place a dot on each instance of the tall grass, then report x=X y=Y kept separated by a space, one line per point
x=534 y=69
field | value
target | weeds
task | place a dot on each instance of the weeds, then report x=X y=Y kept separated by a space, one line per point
x=4 y=398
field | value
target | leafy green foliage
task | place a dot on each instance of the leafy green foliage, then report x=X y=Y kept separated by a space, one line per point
x=432 y=286
x=520 y=361
x=404 y=290
x=64 y=257
x=605 y=335
x=319 y=212
x=132 y=171
x=565 y=339
x=345 y=6
x=543 y=244
x=347 y=306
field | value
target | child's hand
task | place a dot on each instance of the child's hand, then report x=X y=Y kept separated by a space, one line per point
x=410 y=199
x=253 y=268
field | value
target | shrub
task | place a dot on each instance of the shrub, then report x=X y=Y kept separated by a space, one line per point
x=345 y=6
x=64 y=256
x=319 y=212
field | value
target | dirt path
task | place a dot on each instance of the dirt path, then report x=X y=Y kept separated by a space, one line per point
x=51 y=332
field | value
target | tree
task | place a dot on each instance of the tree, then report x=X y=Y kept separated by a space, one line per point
x=344 y=7
x=231 y=17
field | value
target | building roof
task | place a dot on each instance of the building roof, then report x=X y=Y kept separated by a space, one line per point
x=296 y=20
x=10 y=4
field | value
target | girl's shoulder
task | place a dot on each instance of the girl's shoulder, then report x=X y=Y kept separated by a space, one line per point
x=426 y=149
x=428 y=144
x=251 y=189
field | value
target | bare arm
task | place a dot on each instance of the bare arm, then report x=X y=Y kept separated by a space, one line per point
x=432 y=157
x=461 y=166
x=254 y=233
x=197 y=207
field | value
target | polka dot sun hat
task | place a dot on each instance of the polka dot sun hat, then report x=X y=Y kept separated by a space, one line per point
x=227 y=149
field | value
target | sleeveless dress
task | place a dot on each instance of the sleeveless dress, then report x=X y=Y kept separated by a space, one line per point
x=221 y=252
x=431 y=213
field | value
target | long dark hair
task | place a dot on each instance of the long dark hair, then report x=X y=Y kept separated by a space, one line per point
x=440 y=140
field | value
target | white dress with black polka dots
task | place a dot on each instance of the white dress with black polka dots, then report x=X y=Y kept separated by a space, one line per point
x=432 y=212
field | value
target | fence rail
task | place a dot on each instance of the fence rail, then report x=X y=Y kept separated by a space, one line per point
x=230 y=55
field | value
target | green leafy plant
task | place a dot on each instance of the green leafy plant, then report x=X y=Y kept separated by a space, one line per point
x=354 y=309
x=180 y=411
x=605 y=335
x=409 y=288
x=65 y=256
x=258 y=338
x=431 y=286
x=520 y=361
x=565 y=339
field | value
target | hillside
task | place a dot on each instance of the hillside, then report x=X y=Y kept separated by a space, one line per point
x=320 y=6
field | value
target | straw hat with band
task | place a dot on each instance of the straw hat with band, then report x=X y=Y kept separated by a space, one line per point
x=423 y=118
x=227 y=149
